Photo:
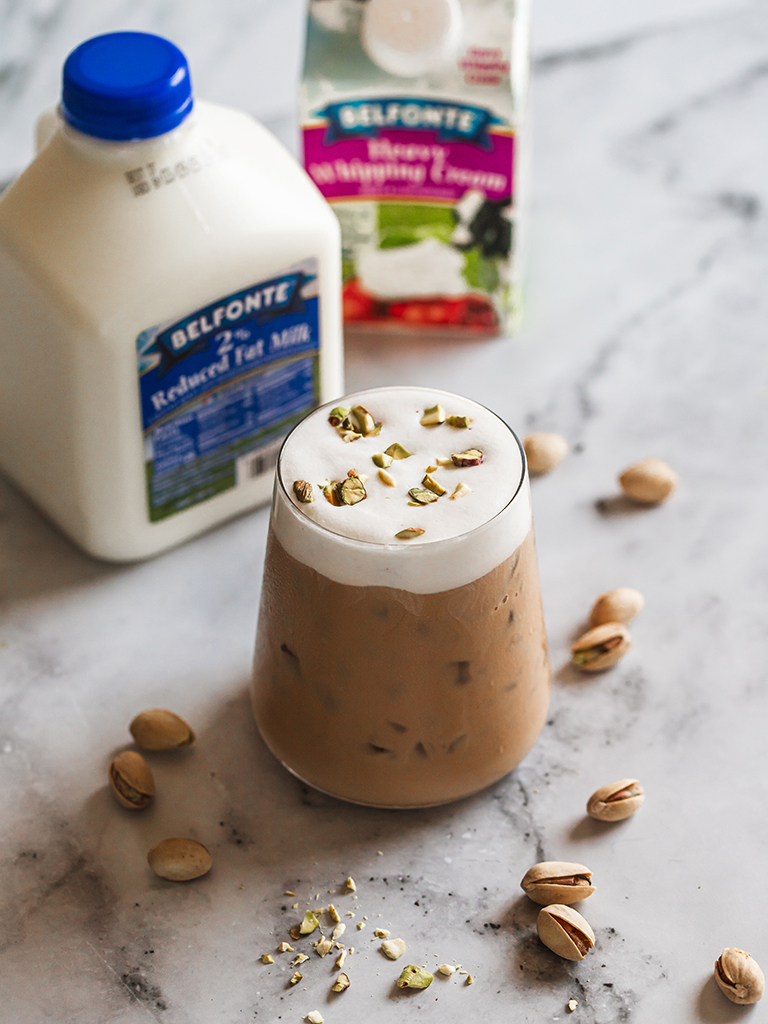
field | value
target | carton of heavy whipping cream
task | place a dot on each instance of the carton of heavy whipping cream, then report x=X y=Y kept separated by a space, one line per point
x=412 y=115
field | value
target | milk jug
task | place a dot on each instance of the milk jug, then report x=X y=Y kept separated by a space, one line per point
x=169 y=305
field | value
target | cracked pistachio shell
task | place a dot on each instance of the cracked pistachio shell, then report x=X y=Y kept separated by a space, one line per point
x=556 y=881
x=415 y=977
x=544 y=451
x=158 y=729
x=601 y=647
x=131 y=780
x=739 y=977
x=563 y=930
x=179 y=860
x=619 y=605
x=649 y=481
x=616 y=801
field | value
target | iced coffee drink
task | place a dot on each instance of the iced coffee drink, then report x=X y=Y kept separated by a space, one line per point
x=401 y=658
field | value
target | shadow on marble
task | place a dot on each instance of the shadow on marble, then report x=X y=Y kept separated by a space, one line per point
x=587 y=829
x=620 y=505
x=714 y=1008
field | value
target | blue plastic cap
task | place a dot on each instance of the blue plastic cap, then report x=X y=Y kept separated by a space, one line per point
x=126 y=85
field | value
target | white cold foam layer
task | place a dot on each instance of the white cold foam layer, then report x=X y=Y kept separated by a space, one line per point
x=428 y=268
x=355 y=544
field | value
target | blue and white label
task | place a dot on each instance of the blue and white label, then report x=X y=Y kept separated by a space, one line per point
x=221 y=387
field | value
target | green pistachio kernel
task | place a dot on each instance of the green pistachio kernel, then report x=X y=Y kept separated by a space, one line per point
x=381 y=460
x=421 y=496
x=433 y=416
x=415 y=977
x=396 y=451
x=434 y=486
x=409 y=533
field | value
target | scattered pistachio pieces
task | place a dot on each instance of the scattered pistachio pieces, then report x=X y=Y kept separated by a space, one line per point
x=348 y=435
x=458 y=421
x=352 y=490
x=159 y=729
x=294 y=932
x=350 y=884
x=380 y=933
x=447 y=969
x=179 y=860
x=361 y=420
x=739 y=977
x=409 y=533
x=616 y=801
x=421 y=496
x=323 y=946
x=414 y=977
x=341 y=958
x=445 y=463
x=131 y=780
x=572 y=1004
x=332 y=492
x=544 y=451
x=396 y=451
x=341 y=984
x=648 y=482
x=296 y=978
x=333 y=912
x=381 y=460
x=563 y=930
x=304 y=491
x=315 y=1017
x=433 y=416
x=461 y=492
x=554 y=881
x=432 y=469
x=434 y=486
x=387 y=478
x=471 y=457
x=309 y=923
x=284 y=947
x=601 y=647
x=266 y=958
x=470 y=980
x=299 y=959
x=619 y=605
x=289 y=893
x=337 y=415
x=360 y=925
x=338 y=931
x=393 y=948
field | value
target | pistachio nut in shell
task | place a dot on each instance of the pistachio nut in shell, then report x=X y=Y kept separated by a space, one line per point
x=739 y=977
x=544 y=451
x=556 y=881
x=616 y=801
x=601 y=647
x=563 y=930
x=159 y=729
x=179 y=860
x=131 y=780
x=649 y=481
x=621 y=604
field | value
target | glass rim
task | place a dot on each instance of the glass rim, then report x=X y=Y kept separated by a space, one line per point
x=379 y=545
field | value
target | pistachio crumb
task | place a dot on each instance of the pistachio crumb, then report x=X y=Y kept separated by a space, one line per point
x=572 y=1004
x=409 y=533
x=393 y=948
x=445 y=463
x=315 y=1017
x=323 y=946
x=350 y=884
x=341 y=958
x=387 y=478
x=350 y=913
x=396 y=451
x=461 y=492
x=285 y=948
x=289 y=893
x=296 y=978
x=470 y=980
x=338 y=931
x=341 y=984
x=333 y=912
x=300 y=958
x=381 y=460
x=458 y=421
x=266 y=958
x=380 y=933
x=360 y=925
x=447 y=969
x=433 y=416
x=431 y=469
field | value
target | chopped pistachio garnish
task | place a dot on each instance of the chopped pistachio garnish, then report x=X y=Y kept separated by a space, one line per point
x=309 y=923
x=458 y=421
x=361 y=420
x=288 y=891
x=396 y=451
x=267 y=959
x=393 y=948
x=350 y=884
x=323 y=946
x=409 y=533
x=470 y=980
x=434 y=486
x=332 y=492
x=299 y=959
x=296 y=978
x=444 y=462
x=433 y=416
x=352 y=490
x=572 y=1004
x=304 y=493
x=315 y=1017
x=414 y=977
x=337 y=415
x=422 y=497
x=285 y=948
x=461 y=492
x=387 y=478
x=341 y=984
x=333 y=912
x=381 y=460
x=380 y=933
x=341 y=958
x=348 y=435
x=447 y=969
x=360 y=925
x=338 y=931
x=471 y=457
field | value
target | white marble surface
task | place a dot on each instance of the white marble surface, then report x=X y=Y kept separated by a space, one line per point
x=645 y=334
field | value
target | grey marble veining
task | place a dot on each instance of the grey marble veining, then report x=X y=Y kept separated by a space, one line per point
x=645 y=334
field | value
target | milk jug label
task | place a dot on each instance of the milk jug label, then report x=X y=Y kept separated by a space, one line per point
x=221 y=387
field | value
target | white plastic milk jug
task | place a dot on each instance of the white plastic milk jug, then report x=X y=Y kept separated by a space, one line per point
x=169 y=305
